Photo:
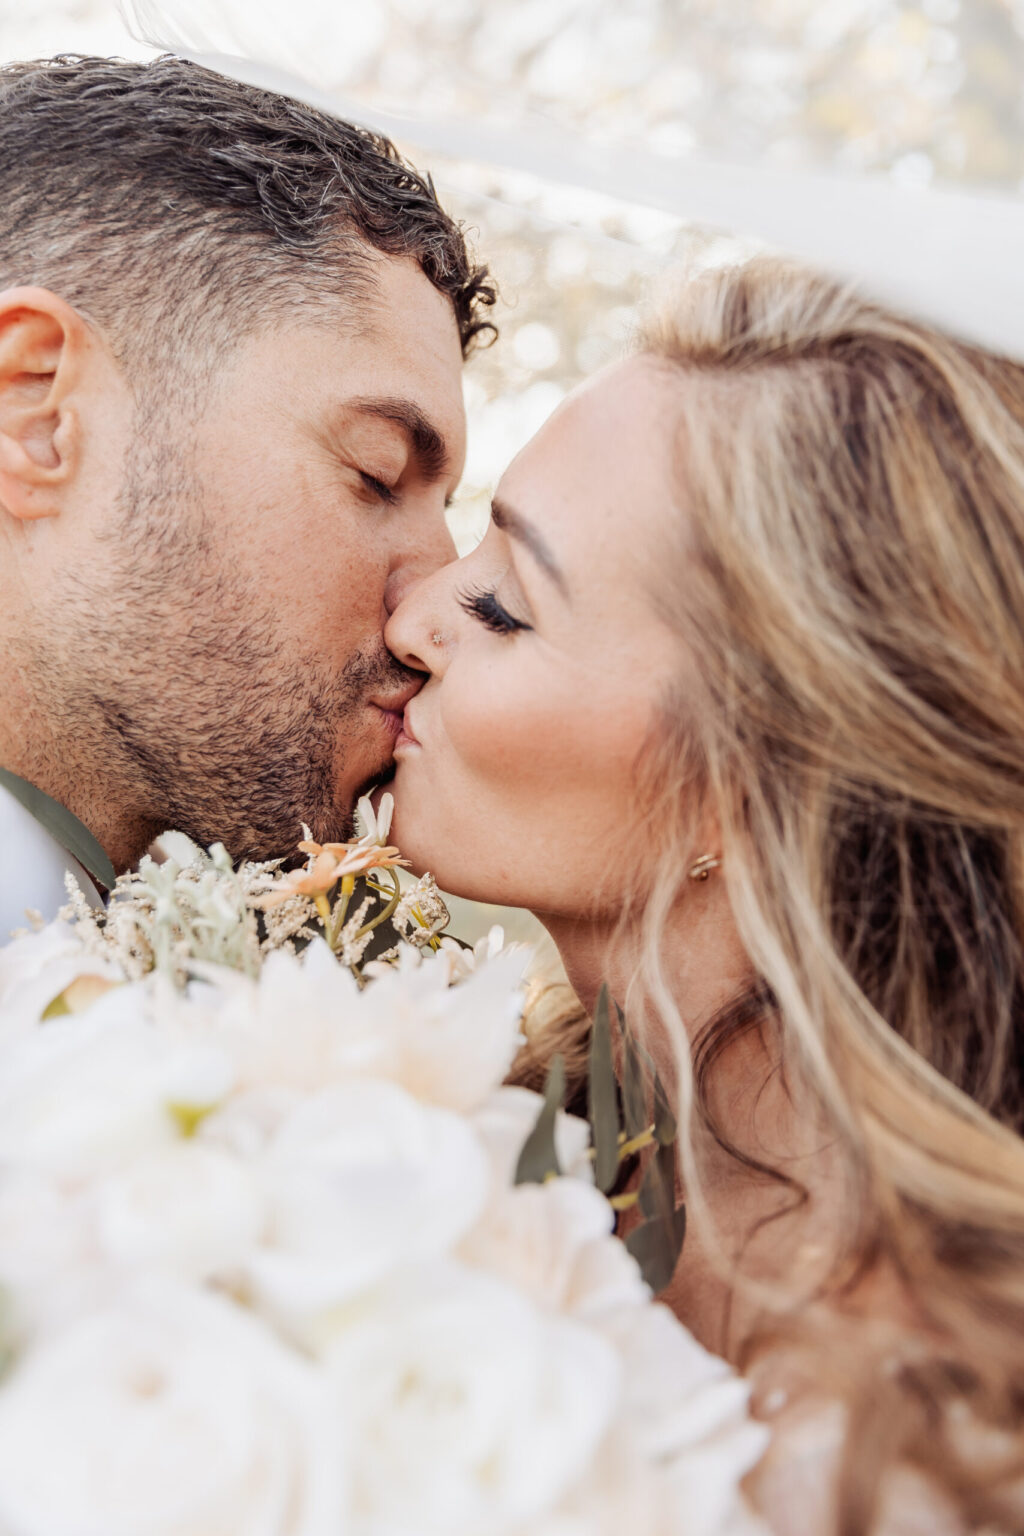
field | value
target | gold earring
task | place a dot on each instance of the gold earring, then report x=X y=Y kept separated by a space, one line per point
x=701 y=870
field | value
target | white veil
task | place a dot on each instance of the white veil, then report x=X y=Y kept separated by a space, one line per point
x=951 y=255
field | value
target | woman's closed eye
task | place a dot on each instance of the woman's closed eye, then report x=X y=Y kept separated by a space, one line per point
x=482 y=604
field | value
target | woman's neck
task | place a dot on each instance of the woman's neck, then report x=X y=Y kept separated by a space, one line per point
x=700 y=953
x=781 y=1232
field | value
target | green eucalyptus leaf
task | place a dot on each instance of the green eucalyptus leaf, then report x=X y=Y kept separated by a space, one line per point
x=664 y=1120
x=658 y=1190
x=538 y=1159
x=602 y=1098
x=634 y=1085
x=656 y=1246
x=64 y=827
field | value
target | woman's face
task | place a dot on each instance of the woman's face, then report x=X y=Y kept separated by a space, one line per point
x=518 y=765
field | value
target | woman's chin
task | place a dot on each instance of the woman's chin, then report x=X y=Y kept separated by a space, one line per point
x=427 y=846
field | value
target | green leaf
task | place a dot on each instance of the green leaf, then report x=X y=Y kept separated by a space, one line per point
x=602 y=1098
x=634 y=1086
x=63 y=827
x=658 y=1190
x=539 y=1158
x=656 y=1246
x=664 y=1119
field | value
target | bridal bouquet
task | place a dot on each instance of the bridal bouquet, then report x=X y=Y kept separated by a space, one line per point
x=265 y=1265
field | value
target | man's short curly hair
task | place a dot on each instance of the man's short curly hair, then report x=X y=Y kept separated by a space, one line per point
x=164 y=200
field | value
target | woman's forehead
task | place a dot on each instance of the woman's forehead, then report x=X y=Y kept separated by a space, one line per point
x=602 y=467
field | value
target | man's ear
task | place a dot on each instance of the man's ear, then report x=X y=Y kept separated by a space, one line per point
x=43 y=343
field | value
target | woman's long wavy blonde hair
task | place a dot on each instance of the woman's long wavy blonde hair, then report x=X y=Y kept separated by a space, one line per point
x=851 y=592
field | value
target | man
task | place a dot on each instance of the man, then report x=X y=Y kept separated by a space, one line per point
x=231 y=338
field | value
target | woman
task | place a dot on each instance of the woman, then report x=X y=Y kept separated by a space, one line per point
x=732 y=696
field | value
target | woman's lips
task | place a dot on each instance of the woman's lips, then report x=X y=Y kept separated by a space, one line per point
x=406 y=736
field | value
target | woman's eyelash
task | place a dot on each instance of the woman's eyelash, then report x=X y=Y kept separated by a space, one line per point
x=379 y=489
x=483 y=605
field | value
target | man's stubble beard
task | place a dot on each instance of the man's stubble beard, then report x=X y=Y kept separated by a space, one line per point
x=170 y=690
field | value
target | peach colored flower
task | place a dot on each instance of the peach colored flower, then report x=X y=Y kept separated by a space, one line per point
x=321 y=873
x=356 y=859
x=331 y=862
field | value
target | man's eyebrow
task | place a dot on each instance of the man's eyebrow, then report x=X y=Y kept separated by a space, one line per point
x=428 y=443
x=517 y=527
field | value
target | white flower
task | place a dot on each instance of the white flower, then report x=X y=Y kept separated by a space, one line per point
x=505 y=1120
x=554 y=1242
x=469 y=1410
x=673 y=1460
x=189 y=1208
x=245 y=1123
x=168 y=1412
x=463 y=961
x=42 y=1228
x=305 y=1023
x=448 y=1045
x=195 y=1180
x=688 y=1411
x=37 y=968
x=81 y=1095
x=47 y=1261
x=374 y=827
x=361 y=1180
x=288 y=1028
x=622 y=1492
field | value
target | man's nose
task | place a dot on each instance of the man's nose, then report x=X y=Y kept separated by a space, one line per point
x=428 y=556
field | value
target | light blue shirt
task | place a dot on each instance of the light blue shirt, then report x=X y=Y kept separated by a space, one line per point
x=32 y=869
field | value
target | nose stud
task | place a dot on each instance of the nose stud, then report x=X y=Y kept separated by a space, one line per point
x=437 y=637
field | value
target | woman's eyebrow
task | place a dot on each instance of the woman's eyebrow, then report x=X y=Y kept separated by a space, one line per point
x=517 y=527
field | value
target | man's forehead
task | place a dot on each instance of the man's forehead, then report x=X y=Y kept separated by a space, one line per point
x=411 y=346
x=401 y=304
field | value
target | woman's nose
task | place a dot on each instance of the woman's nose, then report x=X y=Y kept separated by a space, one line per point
x=413 y=630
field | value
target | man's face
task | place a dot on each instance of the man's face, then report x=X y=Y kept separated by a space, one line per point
x=231 y=658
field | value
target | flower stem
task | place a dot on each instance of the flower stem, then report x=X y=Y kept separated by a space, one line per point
x=626 y=1201
x=382 y=917
x=645 y=1139
x=337 y=922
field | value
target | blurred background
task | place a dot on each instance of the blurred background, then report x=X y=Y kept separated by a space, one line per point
x=921 y=91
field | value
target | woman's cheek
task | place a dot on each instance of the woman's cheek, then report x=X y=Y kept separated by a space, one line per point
x=507 y=727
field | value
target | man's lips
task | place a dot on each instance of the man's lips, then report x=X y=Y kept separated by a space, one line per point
x=392 y=706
